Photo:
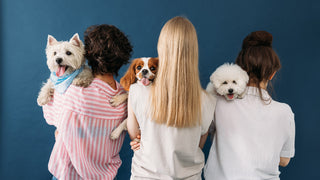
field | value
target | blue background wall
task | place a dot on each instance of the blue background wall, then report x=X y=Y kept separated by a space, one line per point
x=25 y=138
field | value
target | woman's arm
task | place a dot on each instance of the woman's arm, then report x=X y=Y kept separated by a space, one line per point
x=132 y=123
x=135 y=144
x=50 y=112
x=203 y=139
x=284 y=161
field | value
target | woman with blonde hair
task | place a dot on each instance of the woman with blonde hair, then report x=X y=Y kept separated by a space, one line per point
x=174 y=114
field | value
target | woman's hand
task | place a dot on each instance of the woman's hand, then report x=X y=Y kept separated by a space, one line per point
x=56 y=134
x=135 y=144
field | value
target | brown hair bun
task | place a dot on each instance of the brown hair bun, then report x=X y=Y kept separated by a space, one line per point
x=258 y=59
x=257 y=38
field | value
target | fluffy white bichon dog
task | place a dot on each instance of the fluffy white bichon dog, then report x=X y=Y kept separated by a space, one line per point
x=66 y=62
x=228 y=80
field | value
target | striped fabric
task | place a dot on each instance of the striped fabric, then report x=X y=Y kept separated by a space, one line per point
x=84 y=120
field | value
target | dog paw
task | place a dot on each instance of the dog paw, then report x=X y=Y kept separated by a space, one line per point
x=43 y=100
x=84 y=79
x=118 y=99
x=114 y=102
x=81 y=82
x=115 y=134
x=51 y=93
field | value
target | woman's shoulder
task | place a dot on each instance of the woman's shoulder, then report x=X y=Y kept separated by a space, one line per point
x=98 y=91
x=283 y=108
x=207 y=97
x=208 y=101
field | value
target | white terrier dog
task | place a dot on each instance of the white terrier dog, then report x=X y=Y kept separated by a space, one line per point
x=66 y=62
x=228 y=80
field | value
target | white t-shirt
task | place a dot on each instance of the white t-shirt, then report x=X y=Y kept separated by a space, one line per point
x=167 y=152
x=250 y=138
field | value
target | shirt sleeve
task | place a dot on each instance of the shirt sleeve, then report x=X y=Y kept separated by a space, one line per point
x=88 y=144
x=49 y=113
x=288 y=149
x=208 y=108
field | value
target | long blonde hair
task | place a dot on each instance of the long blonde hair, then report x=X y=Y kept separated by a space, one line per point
x=176 y=92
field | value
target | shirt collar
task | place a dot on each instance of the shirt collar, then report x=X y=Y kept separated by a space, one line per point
x=255 y=92
x=106 y=87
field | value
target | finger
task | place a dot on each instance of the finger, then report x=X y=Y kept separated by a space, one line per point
x=133 y=147
x=133 y=143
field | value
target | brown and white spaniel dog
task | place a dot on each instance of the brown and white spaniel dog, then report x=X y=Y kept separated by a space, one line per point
x=141 y=71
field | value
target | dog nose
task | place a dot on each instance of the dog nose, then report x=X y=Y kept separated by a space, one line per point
x=144 y=72
x=59 y=60
x=230 y=90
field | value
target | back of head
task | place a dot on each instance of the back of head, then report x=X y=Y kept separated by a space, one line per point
x=176 y=91
x=258 y=58
x=107 y=49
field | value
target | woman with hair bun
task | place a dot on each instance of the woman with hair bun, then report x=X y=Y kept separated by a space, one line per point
x=254 y=135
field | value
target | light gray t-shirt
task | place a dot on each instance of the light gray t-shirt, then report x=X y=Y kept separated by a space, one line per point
x=250 y=138
x=167 y=152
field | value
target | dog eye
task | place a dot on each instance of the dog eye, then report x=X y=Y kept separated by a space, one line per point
x=152 y=68
x=234 y=82
x=225 y=82
x=139 y=67
x=68 y=53
x=54 y=53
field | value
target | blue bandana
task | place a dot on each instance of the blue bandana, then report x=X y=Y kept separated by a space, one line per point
x=62 y=83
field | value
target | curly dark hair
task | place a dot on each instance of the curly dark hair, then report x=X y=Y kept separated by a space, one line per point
x=107 y=49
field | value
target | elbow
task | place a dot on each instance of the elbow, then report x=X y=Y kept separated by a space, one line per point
x=133 y=132
x=131 y=135
x=284 y=162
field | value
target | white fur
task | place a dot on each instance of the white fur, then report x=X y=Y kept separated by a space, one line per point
x=228 y=77
x=146 y=67
x=74 y=61
x=57 y=49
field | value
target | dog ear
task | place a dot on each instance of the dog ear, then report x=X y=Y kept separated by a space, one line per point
x=156 y=60
x=75 y=40
x=243 y=78
x=215 y=80
x=51 y=40
x=130 y=76
x=210 y=88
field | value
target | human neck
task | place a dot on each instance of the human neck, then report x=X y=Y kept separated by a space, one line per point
x=107 y=78
x=263 y=85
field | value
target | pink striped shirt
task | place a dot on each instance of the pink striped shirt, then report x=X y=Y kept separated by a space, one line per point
x=84 y=119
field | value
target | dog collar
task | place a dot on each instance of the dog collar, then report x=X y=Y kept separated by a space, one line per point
x=62 y=83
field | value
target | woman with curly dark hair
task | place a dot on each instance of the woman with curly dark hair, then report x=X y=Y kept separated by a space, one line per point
x=107 y=49
x=83 y=149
